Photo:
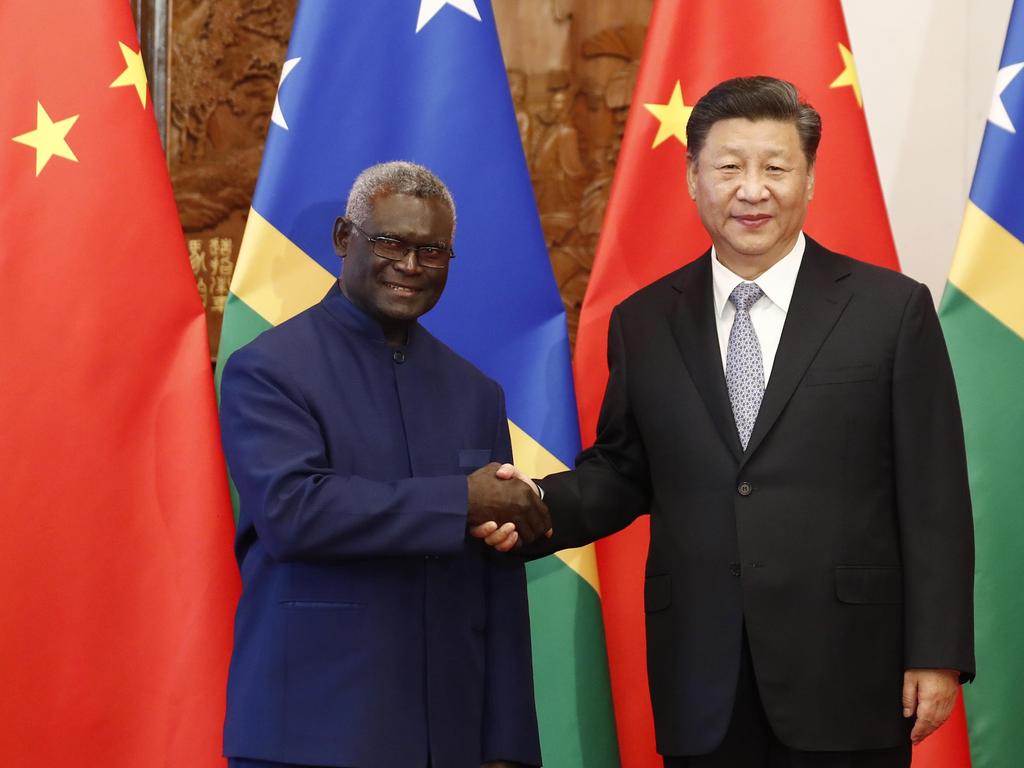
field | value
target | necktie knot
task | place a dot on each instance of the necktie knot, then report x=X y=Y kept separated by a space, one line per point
x=745 y=295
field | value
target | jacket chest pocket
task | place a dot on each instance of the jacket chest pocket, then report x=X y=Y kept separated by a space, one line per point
x=471 y=459
x=843 y=374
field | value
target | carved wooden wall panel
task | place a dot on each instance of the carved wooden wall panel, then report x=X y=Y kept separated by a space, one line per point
x=225 y=64
x=572 y=66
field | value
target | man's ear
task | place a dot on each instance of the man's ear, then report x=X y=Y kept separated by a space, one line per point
x=691 y=176
x=342 y=230
x=810 y=183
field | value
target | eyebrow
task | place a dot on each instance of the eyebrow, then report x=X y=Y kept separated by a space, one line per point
x=393 y=236
x=772 y=152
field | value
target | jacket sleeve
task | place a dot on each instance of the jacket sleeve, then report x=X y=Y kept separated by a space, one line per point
x=510 y=717
x=610 y=486
x=300 y=507
x=933 y=498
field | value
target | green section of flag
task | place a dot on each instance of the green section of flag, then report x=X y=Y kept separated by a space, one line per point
x=570 y=666
x=241 y=325
x=988 y=360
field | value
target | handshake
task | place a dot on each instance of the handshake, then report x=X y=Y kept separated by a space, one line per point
x=505 y=509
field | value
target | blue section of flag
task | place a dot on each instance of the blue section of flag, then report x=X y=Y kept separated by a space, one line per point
x=369 y=88
x=996 y=187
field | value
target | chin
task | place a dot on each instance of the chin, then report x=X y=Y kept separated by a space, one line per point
x=401 y=314
x=755 y=246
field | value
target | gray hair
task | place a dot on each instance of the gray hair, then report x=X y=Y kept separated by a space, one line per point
x=397 y=177
x=754 y=98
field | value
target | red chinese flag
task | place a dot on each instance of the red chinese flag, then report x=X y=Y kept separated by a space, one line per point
x=115 y=520
x=651 y=228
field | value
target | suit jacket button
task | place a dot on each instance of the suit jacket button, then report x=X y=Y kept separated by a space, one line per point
x=399 y=356
x=734 y=569
x=745 y=488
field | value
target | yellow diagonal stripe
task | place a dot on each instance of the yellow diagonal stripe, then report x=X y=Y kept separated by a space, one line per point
x=536 y=461
x=989 y=267
x=274 y=276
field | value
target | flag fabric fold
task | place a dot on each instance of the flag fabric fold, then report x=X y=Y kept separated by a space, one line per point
x=651 y=228
x=982 y=316
x=115 y=530
x=424 y=81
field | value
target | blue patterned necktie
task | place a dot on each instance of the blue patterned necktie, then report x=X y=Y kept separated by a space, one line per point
x=744 y=368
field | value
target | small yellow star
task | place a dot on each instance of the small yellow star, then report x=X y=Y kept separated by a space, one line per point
x=673 y=117
x=48 y=138
x=849 y=75
x=134 y=73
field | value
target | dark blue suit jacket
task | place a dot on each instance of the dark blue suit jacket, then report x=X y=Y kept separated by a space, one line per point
x=371 y=630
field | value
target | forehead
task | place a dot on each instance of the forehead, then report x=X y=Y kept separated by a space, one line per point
x=398 y=212
x=760 y=137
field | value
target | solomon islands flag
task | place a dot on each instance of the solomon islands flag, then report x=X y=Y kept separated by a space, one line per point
x=982 y=314
x=423 y=80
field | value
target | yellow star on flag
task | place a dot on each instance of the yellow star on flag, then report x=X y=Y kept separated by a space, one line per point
x=134 y=73
x=48 y=138
x=849 y=75
x=673 y=117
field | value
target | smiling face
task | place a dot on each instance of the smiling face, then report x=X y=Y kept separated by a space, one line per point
x=394 y=293
x=752 y=186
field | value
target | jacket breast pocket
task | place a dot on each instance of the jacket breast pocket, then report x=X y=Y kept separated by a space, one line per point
x=869 y=584
x=657 y=592
x=843 y=374
x=473 y=458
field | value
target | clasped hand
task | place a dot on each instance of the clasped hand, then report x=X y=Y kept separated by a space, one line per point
x=505 y=507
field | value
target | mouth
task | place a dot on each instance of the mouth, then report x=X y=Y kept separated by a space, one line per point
x=752 y=220
x=401 y=290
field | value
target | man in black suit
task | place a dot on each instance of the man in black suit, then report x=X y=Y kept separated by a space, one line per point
x=788 y=418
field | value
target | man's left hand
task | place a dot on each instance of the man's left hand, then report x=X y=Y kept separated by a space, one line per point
x=930 y=694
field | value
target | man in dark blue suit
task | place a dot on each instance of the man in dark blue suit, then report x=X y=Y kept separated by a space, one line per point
x=375 y=629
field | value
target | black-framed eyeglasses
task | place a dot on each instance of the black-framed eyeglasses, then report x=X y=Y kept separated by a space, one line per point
x=393 y=249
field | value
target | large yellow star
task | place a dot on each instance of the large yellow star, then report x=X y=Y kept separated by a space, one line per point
x=673 y=117
x=134 y=73
x=48 y=138
x=849 y=75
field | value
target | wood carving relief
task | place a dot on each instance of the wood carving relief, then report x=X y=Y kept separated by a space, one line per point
x=571 y=125
x=572 y=69
x=225 y=64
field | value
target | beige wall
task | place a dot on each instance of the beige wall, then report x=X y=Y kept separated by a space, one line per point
x=927 y=69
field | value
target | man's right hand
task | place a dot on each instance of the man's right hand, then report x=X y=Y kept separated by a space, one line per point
x=506 y=501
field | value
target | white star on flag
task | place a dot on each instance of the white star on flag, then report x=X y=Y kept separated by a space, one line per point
x=277 y=116
x=998 y=115
x=429 y=9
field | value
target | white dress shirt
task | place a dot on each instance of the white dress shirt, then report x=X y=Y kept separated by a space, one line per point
x=768 y=315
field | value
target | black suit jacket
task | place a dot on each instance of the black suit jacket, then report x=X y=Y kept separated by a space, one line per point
x=842 y=537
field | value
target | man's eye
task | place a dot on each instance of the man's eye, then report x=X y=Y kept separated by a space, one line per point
x=428 y=252
x=388 y=245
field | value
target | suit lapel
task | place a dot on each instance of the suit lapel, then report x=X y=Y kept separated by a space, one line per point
x=696 y=334
x=819 y=298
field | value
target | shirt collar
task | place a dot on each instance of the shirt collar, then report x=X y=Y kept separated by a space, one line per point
x=777 y=282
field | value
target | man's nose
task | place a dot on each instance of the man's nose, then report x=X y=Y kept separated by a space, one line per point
x=409 y=262
x=752 y=188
